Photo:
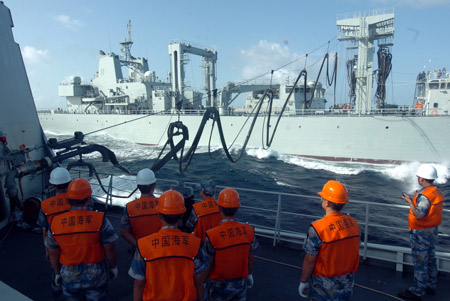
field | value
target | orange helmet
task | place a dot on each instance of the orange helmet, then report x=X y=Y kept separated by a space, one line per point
x=335 y=192
x=229 y=198
x=171 y=202
x=79 y=189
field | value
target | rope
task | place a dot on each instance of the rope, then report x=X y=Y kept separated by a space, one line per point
x=357 y=285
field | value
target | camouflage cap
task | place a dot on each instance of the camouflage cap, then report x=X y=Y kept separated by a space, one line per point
x=208 y=187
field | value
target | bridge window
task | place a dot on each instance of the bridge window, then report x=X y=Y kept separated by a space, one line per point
x=442 y=85
x=448 y=86
x=435 y=105
x=434 y=85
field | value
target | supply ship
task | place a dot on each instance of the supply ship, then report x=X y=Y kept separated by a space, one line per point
x=26 y=159
x=297 y=120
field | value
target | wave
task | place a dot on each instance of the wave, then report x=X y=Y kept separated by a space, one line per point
x=402 y=172
x=126 y=150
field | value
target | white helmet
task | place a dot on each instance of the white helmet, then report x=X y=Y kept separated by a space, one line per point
x=59 y=176
x=145 y=177
x=427 y=172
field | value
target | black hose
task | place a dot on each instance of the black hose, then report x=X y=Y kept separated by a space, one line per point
x=384 y=69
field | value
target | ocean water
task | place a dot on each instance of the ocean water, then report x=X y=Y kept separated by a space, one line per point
x=378 y=185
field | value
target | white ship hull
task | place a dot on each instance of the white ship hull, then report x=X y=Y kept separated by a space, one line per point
x=372 y=139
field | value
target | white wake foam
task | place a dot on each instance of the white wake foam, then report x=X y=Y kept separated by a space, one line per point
x=403 y=172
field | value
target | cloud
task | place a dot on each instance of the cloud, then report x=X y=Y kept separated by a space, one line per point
x=35 y=57
x=413 y=3
x=265 y=56
x=68 y=22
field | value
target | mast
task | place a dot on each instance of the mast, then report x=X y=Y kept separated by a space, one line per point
x=360 y=30
x=126 y=45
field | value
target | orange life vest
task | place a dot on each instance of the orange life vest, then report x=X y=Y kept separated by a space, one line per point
x=169 y=265
x=55 y=205
x=208 y=215
x=434 y=216
x=339 y=251
x=143 y=216
x=77 y=233
x=231 y=241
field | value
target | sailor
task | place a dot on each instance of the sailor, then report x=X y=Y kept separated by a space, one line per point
x=230 y=249
x=332 y=249
x=205 y=214
x=81 y=245
x=140 y=217
x=169 y=264
x=425 y=215
x=60 y=180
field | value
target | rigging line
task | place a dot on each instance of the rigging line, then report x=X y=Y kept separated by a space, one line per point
x=304 y=74
x=358 y=285
x=287 y=64
x=162 y=135
x=235 y=138
x=128 y=121
x=132 y=120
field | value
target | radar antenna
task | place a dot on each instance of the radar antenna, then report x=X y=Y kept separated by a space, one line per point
x=126 y=45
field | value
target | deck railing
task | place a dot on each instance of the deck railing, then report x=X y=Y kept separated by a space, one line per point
x=400 y=255
x=402 y=111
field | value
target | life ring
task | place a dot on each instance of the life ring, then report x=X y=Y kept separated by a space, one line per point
x=433 y=113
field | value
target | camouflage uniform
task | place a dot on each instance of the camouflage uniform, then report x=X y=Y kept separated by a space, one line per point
x=56 y=289
x=233 y=289
x=327 y=288
x=192 y=221
x=209 y=188
x=89 y=280
x=42 y=220
x=423 y=252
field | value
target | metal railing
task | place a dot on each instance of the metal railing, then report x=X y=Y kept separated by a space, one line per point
x=277 y=232
x=402 y=111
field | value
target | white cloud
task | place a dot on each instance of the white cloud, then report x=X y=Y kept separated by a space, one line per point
x=265 y=56
x=413 y=3
x=35 y=57
x=68 y=22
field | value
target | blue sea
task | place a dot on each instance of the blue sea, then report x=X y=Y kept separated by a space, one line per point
x=378 y=185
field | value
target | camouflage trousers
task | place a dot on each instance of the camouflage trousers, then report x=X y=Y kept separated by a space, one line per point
x=234 y=289
x=333 y=288
x=423 y=252
x=91 y=294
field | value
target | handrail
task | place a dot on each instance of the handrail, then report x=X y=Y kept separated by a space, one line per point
x=402 y=111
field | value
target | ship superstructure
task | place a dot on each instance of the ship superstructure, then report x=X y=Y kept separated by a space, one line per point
x=363 y=128
x=142 y=91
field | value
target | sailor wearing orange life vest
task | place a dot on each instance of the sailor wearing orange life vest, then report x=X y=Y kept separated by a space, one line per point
x=60 y=180
x=332 y=249
x=169 y=264
x=140 y=217
x=230 y=249
x=205 y=214
x=81 y=245
x=425 y=215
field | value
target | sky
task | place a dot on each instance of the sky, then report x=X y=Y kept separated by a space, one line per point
x=60 y=39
